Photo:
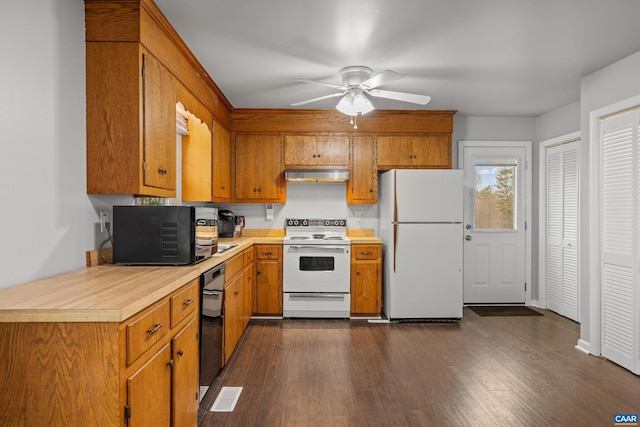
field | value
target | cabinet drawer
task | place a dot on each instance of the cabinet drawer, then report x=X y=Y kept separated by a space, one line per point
x=365 y=251
x=184 y=302
x=268 y=251
x=147 y=330
x=248 y=256
x=233 y=267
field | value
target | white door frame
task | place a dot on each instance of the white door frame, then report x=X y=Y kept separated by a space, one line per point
x=594 y=243
x=528 y=197
x=542 y=213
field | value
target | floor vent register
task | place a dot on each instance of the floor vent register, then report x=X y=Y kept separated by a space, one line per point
x=226 y=400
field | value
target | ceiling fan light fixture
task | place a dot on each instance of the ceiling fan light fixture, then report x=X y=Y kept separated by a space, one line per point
x=354 y=104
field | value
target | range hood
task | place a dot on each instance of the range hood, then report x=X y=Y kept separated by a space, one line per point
x=316 y=175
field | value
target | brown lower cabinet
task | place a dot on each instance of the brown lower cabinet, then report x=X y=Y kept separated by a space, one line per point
x=140 y=372
x=268 y=280
x=238 y=292
x=366 y=279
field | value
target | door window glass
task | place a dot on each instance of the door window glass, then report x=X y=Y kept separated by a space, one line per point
x=495 y=197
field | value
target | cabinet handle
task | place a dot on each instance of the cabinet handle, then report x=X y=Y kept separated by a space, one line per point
x=170 y=363
x=180 y=352
x=162 y=171
x=366 y=253
x=155 y=329
x=236 y=292
x=187 y=303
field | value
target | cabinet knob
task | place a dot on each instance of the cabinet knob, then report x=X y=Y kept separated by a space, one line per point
x=371 y=190
x=314 y=156
x=222 y=187
x=180 y=352
x=357 y=273
x=187 y=303
x=170 y=363
x=236 y=292
x=258 y=273
x=162 y=171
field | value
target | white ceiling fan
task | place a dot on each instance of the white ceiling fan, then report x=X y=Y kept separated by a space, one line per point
x=357 y=82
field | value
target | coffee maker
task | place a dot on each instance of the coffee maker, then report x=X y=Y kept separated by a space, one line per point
x=230 y=224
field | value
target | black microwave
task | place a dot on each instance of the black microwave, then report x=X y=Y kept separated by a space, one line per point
x=157 y=235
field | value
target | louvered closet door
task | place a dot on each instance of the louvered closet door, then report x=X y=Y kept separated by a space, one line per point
x=562 y=229
x=619 y=247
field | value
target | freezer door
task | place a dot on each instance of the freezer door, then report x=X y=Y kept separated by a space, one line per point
x=427 y=281
x=429 y=195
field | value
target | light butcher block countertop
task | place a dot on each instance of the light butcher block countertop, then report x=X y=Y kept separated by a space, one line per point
x=113 y=293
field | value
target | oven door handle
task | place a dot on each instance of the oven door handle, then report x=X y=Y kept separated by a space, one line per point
x=317 y=247
x=312 y=295
x=210 y=293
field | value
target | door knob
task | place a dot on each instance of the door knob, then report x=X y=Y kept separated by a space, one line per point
x=467 y=237
x=468 y=226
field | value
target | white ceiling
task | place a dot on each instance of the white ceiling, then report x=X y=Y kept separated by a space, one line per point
x=480 y=57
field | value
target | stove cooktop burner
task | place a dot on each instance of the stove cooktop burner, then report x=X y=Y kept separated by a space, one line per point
x=316 y=231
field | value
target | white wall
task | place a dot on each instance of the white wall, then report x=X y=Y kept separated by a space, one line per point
x=612 y=84
x=47 y=221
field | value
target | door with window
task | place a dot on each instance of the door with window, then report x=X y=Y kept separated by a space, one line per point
x=494 y=220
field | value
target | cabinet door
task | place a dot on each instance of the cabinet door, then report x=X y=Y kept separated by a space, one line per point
x=233 y=305
x=394 y=151
x=332 y=150
x=247 y=309
x=299 y=150
x=149 y=392
x=269 y=287
x=365 y=290
x=186 y=387
x=159 y=116
x=221 y=163
x=259 y=168
x=431 y=151
x=363 y=182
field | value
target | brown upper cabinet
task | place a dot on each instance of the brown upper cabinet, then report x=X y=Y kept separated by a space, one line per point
x=421 y=151
x=362 y=187
x=221 y=163
x=131 y=122
x=135 y=64
x=205 y=155
x=316 y=151
x=258 y=169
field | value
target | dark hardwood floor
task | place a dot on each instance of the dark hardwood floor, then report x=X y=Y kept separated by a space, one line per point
x=483 y=371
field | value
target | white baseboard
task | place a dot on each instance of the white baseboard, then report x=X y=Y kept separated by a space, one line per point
x=583 y=346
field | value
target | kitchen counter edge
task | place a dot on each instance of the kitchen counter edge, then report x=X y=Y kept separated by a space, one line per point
x=106 y=293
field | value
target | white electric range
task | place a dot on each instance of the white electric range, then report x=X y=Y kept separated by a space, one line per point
x=317 y=268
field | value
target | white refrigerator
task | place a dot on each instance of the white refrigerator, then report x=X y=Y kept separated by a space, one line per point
x=421 y=229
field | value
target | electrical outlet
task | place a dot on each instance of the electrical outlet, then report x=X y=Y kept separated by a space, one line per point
x=104 y=219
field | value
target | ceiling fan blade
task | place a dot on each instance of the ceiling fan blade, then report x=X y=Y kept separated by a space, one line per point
x=320 y=98
x=400 y=96
x=315 y=82
x=380 y=79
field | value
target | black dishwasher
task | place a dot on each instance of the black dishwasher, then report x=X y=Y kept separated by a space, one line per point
x=211 y=334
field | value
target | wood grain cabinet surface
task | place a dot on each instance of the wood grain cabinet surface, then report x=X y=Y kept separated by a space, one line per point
x=131 y=131
x=366 y=279
x=316 y=151
x=139 y=372
x=414 y=151
x=258 y=169
x=268 y=280
x=362 y=187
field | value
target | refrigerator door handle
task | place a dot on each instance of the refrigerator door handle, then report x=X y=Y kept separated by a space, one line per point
x=395 y=244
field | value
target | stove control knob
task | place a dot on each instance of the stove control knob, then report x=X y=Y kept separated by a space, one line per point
x=295 y=222
x=305 y=222
x=342 y=224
